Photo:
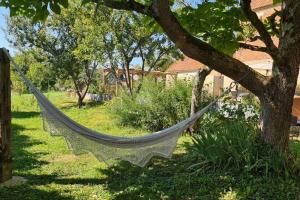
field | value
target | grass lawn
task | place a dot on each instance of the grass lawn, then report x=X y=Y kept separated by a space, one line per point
x=53 y=172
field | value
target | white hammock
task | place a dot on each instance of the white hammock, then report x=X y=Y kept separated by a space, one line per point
x=137 y=150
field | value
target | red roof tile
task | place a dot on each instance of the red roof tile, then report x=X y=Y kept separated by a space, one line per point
x=185 y=65
x=256 y=4
x=248 y=55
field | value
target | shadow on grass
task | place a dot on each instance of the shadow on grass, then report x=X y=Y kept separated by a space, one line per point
x=31 y=192
x=18 y=114
x=47 y=179
x=86 y=104
x=27 y=192
x=160 y=179
x=22 y=159
x=172 y=179
x=68 y=105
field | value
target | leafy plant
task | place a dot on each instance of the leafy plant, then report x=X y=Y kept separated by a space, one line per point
x=155 y=107
x=224 y=143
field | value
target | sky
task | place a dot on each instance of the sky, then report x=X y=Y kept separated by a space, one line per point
x=3 y=42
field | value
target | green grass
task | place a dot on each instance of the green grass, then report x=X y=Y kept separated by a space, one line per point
x=53 y=172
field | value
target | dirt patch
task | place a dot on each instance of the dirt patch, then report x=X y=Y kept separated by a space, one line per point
x=15 y=181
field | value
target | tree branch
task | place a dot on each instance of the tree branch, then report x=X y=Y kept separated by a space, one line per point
x=259 y=26
x=255 y=38
x=272 y=20
x=253 y=47
x=126 y=5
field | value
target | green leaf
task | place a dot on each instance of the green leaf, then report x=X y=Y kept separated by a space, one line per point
x=85 y=1
x=277 y=1
x=64 y=3
x=55 y=8
x=41 y=14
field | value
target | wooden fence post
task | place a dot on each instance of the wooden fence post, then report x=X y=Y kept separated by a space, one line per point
x=5 y=118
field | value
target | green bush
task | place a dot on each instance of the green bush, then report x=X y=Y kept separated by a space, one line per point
x=155 y=106
x=227 y=143
x=222 y=143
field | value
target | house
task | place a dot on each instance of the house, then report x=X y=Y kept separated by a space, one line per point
x=187 y=68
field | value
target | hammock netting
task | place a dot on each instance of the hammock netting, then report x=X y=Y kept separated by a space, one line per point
x=137 y=150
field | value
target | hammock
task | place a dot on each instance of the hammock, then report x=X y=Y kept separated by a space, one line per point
x=137 y=150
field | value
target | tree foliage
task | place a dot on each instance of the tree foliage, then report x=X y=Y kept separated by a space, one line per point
x=100 y=37
x=128 y=39
x=71 y=45
x=219 y=24
x=37 y=69
x=39 y=10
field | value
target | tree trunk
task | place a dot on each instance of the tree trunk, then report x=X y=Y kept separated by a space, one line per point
x=277 y=105
x=276 y=124
x=128 y=78
x=277 y=100
x=80 y=102
x=197 y=95
x=277 y=109
x=80 y=99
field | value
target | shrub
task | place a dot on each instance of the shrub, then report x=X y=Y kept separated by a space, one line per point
x=222 y=143
x=227 y=143
x=155 y=106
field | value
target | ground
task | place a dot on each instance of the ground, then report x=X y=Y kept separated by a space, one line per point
x=53 y=172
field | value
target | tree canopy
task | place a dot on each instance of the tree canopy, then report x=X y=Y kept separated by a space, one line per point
x=71 y=45
x=78 y=47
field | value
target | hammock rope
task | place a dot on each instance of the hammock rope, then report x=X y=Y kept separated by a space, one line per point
x=137 y=150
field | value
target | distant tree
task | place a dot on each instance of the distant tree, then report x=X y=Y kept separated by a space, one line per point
x=158 y=53
x=71 y=45
x=128 y=39
x=37 y=69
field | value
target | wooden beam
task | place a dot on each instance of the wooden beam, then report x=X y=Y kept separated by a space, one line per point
x=5 y=118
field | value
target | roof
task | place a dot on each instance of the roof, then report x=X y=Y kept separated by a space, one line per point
x=136 y=72
x=185 y=65
x=255 y=59
x=246 y=55
x=258 y=4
